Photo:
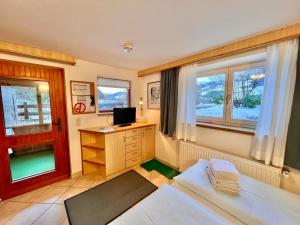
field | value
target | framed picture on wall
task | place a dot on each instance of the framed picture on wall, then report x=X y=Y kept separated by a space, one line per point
x=83 y=97
x=153 y=95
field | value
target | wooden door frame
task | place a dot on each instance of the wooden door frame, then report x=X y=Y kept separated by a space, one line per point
x=27 y=71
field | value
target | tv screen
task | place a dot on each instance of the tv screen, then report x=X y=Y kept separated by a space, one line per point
x=124 y=116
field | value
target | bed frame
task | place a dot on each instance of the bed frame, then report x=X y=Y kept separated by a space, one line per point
x=189 y=153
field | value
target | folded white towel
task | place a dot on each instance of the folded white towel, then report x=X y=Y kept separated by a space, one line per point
x=224 y=169
x=222 y=182
x=223 y=185
x=228 y=177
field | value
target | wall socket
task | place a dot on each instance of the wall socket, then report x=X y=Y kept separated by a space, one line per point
x=78 y=122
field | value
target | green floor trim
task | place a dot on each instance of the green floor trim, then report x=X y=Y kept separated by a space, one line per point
x=23 y=166
x=161 y=168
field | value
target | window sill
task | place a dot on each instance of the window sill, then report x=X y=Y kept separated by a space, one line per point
x=241 y=130
x=104 y=113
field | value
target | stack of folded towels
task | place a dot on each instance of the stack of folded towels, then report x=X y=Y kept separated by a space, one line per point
x=223 y=175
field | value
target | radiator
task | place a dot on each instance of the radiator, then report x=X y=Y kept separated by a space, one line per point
x=189 y=153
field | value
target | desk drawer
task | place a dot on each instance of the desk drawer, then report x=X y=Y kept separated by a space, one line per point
x=133 y=154
x=132 y=147
x=133 y=161
x=133 y=140
x=133 y=132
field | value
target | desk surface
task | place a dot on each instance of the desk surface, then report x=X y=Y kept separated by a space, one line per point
x=113 y=129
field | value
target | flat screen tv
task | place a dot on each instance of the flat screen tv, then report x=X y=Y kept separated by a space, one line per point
x=124 y=116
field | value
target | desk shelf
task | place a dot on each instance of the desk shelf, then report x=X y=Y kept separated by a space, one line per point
x=96 y=146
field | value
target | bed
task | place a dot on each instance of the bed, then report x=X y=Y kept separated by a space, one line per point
x=192 y=200
x=167 y=206
x=257 y=203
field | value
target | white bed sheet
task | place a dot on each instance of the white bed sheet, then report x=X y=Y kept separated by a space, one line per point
x=207 y=204
x=168 y=206
x=258 y=203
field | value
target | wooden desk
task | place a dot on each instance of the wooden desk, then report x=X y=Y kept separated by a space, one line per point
x=111 y=150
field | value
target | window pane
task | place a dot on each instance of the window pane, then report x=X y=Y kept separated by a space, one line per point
x=248 y=87
x=28 y=161
x=26 y=106
x=210 y=96
x=112 y=97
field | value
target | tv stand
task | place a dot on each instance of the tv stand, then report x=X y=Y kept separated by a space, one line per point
x=125 y=125
x=113 y=150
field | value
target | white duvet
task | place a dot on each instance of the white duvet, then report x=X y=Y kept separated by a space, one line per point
x=168 y=206
x=257 y=203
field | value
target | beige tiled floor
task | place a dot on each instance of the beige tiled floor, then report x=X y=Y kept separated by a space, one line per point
x=44 y=206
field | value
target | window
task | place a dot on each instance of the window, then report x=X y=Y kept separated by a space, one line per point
x=26 y=106
x=113 y=93
x=231 y=96
x=210 y=96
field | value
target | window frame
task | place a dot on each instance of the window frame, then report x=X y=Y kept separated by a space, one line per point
x=128 y=97
x=214 y=119
x=231 y=71
x=227 y=119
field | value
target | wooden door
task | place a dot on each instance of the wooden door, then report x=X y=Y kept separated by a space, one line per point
x=148 y=143
x=114 y=152
x=34 y=147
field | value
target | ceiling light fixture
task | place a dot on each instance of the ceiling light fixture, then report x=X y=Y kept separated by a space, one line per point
x=128 y=47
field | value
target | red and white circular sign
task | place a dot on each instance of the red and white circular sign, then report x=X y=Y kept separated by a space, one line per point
x=79 y=107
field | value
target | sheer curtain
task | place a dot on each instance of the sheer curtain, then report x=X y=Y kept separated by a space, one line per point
x=186 y=109
x=271 y=129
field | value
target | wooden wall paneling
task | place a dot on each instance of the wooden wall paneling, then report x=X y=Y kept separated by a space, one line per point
x=4 y=69
x=54 y=107
x=257 y=41
x=11 y=71
x=64 y=111
x=42 y=71
x=37 y=73
x=59 y=96
x=22 y=71
x=32 y=72
x=17 y=69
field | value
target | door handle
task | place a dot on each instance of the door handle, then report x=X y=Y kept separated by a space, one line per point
x=58 y=124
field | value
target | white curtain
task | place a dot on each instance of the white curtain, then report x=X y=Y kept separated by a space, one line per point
x=271 y=129
x=186 y=109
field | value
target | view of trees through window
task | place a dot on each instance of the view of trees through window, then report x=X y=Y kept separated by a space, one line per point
x=248 y=86
x=243 y=93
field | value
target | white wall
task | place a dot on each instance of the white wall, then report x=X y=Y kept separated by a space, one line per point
x=292 y=183
x=226 y=141
x=166 y=147
x=83 y=71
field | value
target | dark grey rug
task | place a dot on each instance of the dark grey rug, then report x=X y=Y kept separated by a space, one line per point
x=105 y=202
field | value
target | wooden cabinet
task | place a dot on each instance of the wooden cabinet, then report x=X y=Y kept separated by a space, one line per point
x=111 y=150
x=148 y=143
x=114 y=152
x=133 y=147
